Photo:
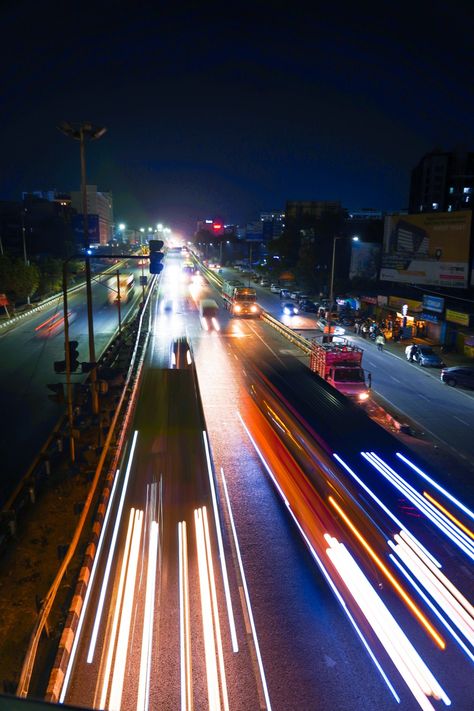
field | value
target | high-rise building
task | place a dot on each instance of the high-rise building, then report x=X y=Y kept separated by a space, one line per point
x=442 y=182
x=274 y=222
x=100 y=210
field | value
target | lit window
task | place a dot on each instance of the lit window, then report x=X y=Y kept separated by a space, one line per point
x=467 y=191
x=451 y=190
x=435 y=205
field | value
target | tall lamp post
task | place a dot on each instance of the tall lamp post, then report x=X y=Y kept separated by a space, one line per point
x=333 y=264
x=82 y=132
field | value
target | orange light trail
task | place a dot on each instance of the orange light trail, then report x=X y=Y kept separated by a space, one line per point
x=413 y=607
x=447 y=513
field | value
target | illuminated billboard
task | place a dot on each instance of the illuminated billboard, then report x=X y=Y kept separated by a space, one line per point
x=365 y=260
x=429 y=248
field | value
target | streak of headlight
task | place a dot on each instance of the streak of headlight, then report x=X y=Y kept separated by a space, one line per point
x=207 y=620
x=118 y=603
x=204 y=324
x=148 y=619
x=411 y=667
x=215 y=323
x=105 y=581
x=437 y=486
x=246 y=594
x=403 y=594
x=215 y=608
x=118 y=675
x=184 y=620
x=447 y=513
x=433 y=607
x=439 y=587
x=440 y=521
x=384 y=508
x=225 y=578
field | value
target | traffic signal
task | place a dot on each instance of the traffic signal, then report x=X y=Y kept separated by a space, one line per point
x=86 y=367
x=73 y=355
x=58 y=391
x=59 y=366
x=156 y=257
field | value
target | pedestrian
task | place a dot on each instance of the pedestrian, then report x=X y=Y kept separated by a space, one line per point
x=411 y=353
x=357 y=328
x=365 y=330
x=380 y=341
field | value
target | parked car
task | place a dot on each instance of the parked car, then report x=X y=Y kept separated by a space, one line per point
x=308 y=306
x=462 y=375
x=423 y=355
x=264 y=282
x=284 y=294
x=289 y=309
x=294 y=294
x=302 y=297
x=330 y=327
x=275 y=289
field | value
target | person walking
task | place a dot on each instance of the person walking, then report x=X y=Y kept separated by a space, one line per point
x=365 y=330
x=380 y=341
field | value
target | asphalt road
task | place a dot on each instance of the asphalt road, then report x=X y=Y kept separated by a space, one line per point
x=27 y=353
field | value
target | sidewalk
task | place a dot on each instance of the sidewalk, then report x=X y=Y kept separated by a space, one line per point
x=398 y=349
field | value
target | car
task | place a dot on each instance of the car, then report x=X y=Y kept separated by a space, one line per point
x=284 y=294
x=264 y=282
x=423 y=355
x=302 y=297
x=274 y=288
x=294 y=294
x=462 y=375
x=289 y=309
x=330 y=327
x=308 y=306
x=180 y=354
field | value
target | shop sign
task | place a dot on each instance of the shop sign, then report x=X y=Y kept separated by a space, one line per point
x=382 y=300
x=433 y=303
x=369 y=299
x=457 y=317
x=433 y=318
x=398 y=302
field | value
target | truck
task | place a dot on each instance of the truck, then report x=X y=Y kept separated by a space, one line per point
x=126 y=283
x=240 y=300
x=340 y=365
x=208 y=310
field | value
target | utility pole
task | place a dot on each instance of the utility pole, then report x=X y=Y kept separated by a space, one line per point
x=67 y=354
x=119 y=304
x=23 y=231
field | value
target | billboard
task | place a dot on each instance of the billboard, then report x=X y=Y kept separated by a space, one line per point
x=429 y=248
x=365 y=260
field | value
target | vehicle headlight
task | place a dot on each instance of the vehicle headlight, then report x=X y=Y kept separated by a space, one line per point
x=295 y=311
x=363 y=396
x=253 y=309
x=286 y=311
x=237 y=308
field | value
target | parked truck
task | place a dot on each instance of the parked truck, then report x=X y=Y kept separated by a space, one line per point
x=340 y=364
x=240 y=300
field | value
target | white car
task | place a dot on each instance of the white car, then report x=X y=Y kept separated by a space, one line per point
x=330 y=327
x=274 y=288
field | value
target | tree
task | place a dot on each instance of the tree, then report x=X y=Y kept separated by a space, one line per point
x=51 y=275
x=17 y=279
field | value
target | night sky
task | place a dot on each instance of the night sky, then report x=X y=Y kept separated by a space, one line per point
x=226 y=115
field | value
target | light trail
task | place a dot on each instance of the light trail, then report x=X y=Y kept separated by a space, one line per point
x=148 y=619
x=212 y=675
x=437 y=518
x=447 y=513
x=381 y=565
x=184 y=620
x=105 y=580
x=433 y=607
x=385 y=508
x=411 y=667
x=437 y=486
x=225 y=578
x=116 y=688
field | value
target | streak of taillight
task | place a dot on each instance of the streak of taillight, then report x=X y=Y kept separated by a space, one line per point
x=49 y=320
x=451 y=516
x=394 y=582
x=412 y=668
x=148 y=620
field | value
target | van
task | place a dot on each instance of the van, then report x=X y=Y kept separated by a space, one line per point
x=208 y=310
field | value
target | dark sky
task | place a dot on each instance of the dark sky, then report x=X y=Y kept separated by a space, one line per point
x=226 y=115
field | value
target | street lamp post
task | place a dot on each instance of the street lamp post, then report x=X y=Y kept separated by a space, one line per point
x=23 y=232
x=333 y=263
x=82 y=132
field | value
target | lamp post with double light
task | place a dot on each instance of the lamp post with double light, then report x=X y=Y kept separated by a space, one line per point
x=333 y=264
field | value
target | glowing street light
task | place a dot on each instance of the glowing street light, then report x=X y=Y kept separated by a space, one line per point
x=122 y=227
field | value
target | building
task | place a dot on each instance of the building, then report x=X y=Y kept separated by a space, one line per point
x=365 y=213
x=442 y=182
x=274 y=222
x=100 y=211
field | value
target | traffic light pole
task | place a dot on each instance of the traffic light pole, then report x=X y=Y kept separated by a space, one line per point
x=119 y=303
x=67 y=355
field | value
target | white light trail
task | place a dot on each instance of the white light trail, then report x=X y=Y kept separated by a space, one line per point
x=411 y=667
x=184 y=620
x=457 y=536
x=225 y=578
x=148 y=619
x=384 y=508
x=118 y=675
x=105 y=581
x=436 y=485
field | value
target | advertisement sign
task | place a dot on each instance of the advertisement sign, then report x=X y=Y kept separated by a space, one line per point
x=382 y=300
x=429 y=248
x=457 y=317
x=433 y=303
x=92 y=229
x=398 y=302
x=3 y=300
x=365 y=260
x=427 y=316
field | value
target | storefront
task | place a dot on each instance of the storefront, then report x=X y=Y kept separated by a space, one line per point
x=459 y=332
x=432 y=315
x=406 y=315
